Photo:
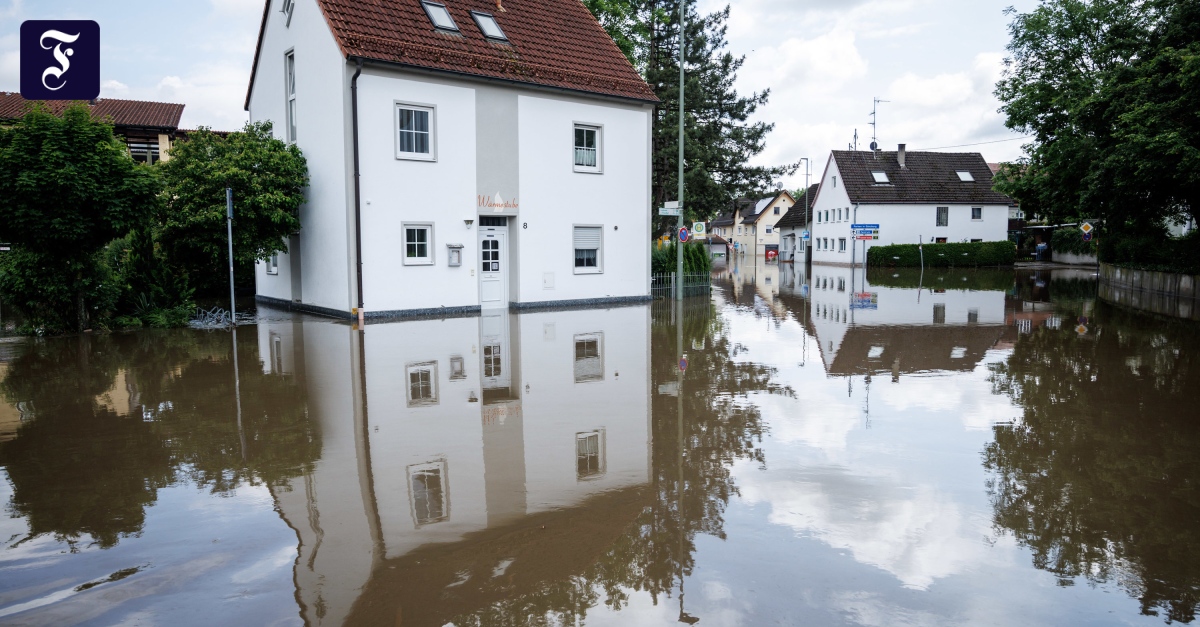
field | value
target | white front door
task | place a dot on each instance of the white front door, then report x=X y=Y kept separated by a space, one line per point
x=493 y=336
x=493 y=266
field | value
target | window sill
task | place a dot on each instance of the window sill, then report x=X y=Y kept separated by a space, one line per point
x=589 y=271
x=415 y=156
x=579 y=169
x=418 y=262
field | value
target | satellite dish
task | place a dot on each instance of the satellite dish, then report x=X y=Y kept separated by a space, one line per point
x=874 y=146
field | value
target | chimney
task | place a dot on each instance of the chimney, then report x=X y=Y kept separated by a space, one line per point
x=500 y=7
x=900 y=154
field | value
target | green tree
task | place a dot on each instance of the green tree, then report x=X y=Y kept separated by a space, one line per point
x=67 y=188
x=1107 y=90
x=268 y=177
x=719 y=141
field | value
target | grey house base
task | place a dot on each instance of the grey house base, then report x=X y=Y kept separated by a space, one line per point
x=452 y=312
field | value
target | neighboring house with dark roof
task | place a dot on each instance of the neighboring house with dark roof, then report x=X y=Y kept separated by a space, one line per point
x=148 y=128
x=912 y=196
x=463 y=155
x=791 y=228
x=754 y=229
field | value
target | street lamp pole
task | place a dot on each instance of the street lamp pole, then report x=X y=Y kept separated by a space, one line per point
x=679 y=219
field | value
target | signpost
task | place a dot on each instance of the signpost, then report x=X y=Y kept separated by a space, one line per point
x=864 y=300
x=1088 y=230
x=805 y=235
x=683 y=364
x=684 y=236
x=670 y=208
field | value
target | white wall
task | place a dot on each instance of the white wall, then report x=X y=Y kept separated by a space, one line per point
x=322 y=89
x=899 y=223
x=554 y=198
x=396 y=191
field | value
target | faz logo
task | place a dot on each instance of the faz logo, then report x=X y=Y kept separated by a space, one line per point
x=60 y=60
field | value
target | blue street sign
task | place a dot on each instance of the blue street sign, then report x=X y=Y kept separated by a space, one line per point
x=684 y=235
x=683 y=364
x=806 y=236
x=864 y=226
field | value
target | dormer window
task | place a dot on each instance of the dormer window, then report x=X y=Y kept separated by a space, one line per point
x=440 y=16
x=965 y=176
x=880 y=177
x=487 y=24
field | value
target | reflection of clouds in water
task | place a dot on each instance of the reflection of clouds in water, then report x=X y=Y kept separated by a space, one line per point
x=817 y=417
x=971 y=397
x=913 y=532
x=865 y=608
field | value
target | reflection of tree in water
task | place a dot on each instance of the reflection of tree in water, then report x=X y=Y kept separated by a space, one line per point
x=719 y=427
x=84 y=466
x=1099 y=479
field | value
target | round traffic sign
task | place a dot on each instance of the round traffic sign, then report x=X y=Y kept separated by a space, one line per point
x=684 y=235
x=683 y=364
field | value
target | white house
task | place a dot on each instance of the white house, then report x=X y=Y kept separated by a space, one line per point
x=792 y=245
x=463 y=156
x=913 y=197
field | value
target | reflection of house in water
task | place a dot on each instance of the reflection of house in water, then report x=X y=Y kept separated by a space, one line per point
x=863 y=328
x=751 y=281
x=445 y=440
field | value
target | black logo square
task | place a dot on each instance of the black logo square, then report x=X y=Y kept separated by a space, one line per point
x=60 y=60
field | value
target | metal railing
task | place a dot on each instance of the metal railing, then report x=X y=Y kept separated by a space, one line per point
x=663 y=285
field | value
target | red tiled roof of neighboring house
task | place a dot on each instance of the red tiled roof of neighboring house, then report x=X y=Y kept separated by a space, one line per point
x=551 y=43
x=995 y=167
x=929 y=177
x=122 y=113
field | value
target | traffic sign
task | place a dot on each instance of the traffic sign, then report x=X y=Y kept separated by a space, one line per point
x=1087 y=228
x=671 y=204
x=667 y=211
x=698 y=228
x=684 y=235
x=864 y=226
x=683 y=364
x=805 y=235
x=1087 y=237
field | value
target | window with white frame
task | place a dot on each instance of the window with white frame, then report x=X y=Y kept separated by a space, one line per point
x=770 y=229
x=880 y=177
x=776 y=210
x=587 y=148
x=415 y=132
x=289 y=64
x=976 y=213
x=965 y=176
x=589 y=455
x=428 y=492
x=589 y=357
x=418 y=244
x=273 y=264
x=943 y=216
x=288 y=7
x=588 y=241
x=842 y=245
x=421 y=381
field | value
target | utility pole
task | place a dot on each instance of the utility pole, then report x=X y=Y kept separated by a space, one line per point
x=679 y=218
x=229 y=228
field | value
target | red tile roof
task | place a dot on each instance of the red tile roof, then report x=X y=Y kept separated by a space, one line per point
x=552 y=43
x=123 y=113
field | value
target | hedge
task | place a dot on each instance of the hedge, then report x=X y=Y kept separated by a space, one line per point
x=1070 y=240
x=695 y=258
x=982 y=280
x=944 y=255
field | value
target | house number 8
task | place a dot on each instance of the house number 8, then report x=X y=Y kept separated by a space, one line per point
x=524 y=225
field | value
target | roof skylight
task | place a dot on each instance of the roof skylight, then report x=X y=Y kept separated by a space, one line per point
x=440 y=16
x=487 y=24
x=965 y=176
x=880 y=177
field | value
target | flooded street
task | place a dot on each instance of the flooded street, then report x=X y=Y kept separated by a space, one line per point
x=837 y=448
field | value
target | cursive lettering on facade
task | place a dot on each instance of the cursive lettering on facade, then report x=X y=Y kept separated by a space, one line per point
x=497 y=203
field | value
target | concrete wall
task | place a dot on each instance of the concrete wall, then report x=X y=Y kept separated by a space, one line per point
x=1075 y=260
x=1165 y=293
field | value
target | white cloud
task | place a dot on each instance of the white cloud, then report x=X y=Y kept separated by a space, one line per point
x=114 y=89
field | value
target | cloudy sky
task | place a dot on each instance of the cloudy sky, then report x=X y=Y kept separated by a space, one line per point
x=824 y=61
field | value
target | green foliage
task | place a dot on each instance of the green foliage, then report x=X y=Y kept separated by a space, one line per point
x=719 y=138
x=1153 y=250
x=268 y=177
x=663 y=259
x=67 y=187
x=1107 y=89
x=1070 y=240
x=943 y=255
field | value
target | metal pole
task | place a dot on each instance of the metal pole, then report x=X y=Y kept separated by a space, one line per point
x=229 y=228
x=679 y=219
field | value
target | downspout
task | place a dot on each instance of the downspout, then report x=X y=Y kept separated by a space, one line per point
x=357 y=188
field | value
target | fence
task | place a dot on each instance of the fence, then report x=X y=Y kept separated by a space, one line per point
x=663 y=285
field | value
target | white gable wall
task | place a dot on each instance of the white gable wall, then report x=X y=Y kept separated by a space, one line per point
x=322 y=94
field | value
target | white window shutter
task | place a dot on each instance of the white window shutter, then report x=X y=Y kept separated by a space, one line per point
x=587 y=237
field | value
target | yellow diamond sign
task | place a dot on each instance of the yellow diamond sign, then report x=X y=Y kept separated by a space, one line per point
x=1087 y=227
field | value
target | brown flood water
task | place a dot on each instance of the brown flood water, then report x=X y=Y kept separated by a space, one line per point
x=953 y=448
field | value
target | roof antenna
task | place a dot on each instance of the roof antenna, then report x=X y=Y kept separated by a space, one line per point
x=874 y=123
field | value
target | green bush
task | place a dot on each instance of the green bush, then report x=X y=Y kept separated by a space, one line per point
x=944 y=255
x=695 y=259
x=983 y=280
x=1069 y=240
x=1153 y=250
